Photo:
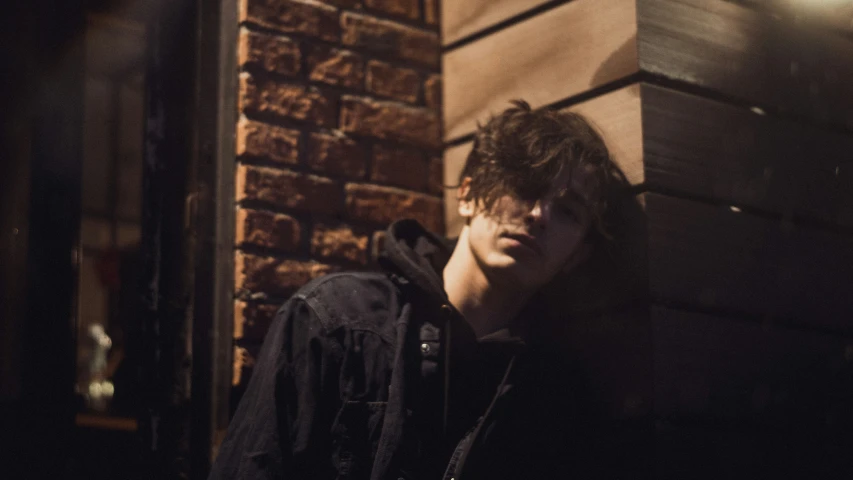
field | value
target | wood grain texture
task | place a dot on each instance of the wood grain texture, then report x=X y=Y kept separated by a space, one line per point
x=749 y=55
x=549 y=57
x=713 y=257
x=710 y=149
x=460 y=19
x=618 y=117
x=713 y=366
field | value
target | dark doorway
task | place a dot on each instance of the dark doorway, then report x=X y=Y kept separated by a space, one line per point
x=113 y=180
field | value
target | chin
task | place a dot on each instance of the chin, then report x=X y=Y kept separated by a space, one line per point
x=518 y=273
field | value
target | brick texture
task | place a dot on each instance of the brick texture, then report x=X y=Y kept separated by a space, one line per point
x=243 y=363
x=389 y=81
x=404 y=8
x=251 y=320
x=385 y=204
x=256 y=139
x=339 y=241
x=287 y=189
x=390 y=38
x=432 y=92
x=390 y=120
x=297 y=102
x=267 y=229
x=338 y=135
x=337 y=67
x=336 y=154
x=274 y=276
x=399 y=166
x=306 y=17
x=273 y=54
x=431 y=12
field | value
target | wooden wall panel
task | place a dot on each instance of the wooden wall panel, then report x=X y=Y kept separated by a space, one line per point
x=551 y=56
x=460 y=19
x=617 y=116
x=743 y=400
x=728 y=369
x=749 y=55
x=714 y=150
x=713 y=257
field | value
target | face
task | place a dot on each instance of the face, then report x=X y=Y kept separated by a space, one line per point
x=525 y=243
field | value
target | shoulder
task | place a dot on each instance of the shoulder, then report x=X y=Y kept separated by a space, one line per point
x=354 y=300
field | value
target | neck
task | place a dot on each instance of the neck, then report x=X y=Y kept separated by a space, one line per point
x=486 y=306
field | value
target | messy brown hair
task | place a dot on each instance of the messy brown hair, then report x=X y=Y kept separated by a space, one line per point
x=521 y=151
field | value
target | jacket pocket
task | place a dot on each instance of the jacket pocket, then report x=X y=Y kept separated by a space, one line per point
x=356 y=438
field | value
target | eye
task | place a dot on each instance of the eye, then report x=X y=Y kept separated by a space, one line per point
x=567 y=210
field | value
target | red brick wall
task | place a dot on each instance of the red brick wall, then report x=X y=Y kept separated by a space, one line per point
x=339 y=134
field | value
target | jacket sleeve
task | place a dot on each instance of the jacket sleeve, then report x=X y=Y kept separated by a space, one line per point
x=281 y=428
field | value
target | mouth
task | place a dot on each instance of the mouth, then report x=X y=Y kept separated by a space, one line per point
x=525 y=240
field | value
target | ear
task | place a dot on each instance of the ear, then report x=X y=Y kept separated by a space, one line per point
x=581 y=254
x=465 y=207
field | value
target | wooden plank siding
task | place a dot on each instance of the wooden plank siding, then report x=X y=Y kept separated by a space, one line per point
x=709 y=365
x=729 y=154
x=750 y=56
x=551 y=56
x=463 y=19
x=713 y=257
x=682 y=364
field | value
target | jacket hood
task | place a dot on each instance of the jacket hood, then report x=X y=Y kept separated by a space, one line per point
x=417 y=255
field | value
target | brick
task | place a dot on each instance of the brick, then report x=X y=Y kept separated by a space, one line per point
x=283 y=188
x=273 y=54
x=400 y=166
x=390 y=38
x=261 y=140
x=384 y=205
x=243 y=363
x=267 y=229
x=336 y=154
x=339 y=241
x=252 y=320
x=435 y=185
x=265 y=97
x=344 y=3
x=390 y=81
x=403 y=8
x=432 y=92
x=431 y=12
x=337 y=67
x=390 y=120
x=274 y=276
x=307 y=17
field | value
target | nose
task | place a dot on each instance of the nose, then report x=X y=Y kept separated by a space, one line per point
x=540 y=213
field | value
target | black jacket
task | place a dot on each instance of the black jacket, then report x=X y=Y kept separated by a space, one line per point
x=375 y=375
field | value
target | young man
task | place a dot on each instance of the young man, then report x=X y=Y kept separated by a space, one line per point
x=433 y=369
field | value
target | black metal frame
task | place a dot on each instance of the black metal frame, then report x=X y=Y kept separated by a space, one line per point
x=213 y=200
x=188 y=234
